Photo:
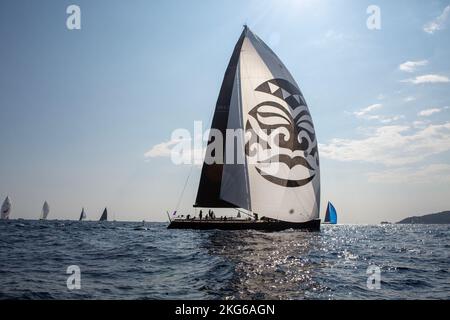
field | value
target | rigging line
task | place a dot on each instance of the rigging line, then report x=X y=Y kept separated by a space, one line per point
x=192 y=167
x=248 y=214
x=184 y=188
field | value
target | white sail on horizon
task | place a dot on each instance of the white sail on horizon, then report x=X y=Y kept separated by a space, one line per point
x=6 y=209
x=45 y=211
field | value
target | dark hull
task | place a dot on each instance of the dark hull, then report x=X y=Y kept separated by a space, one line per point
x=313 y=225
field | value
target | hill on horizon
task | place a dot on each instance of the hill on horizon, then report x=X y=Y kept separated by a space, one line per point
x=434 y=218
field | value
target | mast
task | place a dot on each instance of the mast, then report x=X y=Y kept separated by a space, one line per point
x=279 y=175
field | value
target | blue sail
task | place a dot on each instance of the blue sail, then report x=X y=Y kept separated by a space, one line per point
x=331 y=215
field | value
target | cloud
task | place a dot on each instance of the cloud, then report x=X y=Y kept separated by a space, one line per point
x=420 y=123
x=332 y=37
x=385 y=119
x=392 y=145
x=432 y=173
x=332 y=34
x=409 y=99
x=363 y=112
x=438 y=23
x=185 y=153
x=428 y=112
x=428 y=78
x=163 y=149
x=411 y=66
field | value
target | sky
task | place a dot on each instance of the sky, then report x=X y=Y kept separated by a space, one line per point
x=87 y=115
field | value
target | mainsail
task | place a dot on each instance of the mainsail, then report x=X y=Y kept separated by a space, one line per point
x=273 y=167
x=45 y=211
x=6 y=209
x=331 y=214
x=82 y=215
x=104 y=216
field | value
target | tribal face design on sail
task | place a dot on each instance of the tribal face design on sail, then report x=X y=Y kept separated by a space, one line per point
x=280 y=136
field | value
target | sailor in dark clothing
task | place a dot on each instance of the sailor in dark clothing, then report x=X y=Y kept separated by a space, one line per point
x=200 y=215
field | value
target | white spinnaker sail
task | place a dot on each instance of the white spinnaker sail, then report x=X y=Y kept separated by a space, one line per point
x=6 y=209
x=45 y=211
x=282 y=183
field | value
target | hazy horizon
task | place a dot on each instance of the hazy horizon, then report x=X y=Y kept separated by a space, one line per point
x=87 y=115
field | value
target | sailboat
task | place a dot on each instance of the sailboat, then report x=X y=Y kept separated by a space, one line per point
x=331 y=214
x=104 y=216
x=277 y=185
x=6 y=209
x=45 y=211
x=82 y=215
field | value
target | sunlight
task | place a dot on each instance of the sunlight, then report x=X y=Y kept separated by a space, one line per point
x=280 y=11
x=296 y=6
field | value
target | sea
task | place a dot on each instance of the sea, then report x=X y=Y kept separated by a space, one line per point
x=122 y=260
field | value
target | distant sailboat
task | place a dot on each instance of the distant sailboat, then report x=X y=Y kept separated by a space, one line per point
x=6 y=209
x=83 y=215
x=45 y=211
x=331 y=215
x=104 y=216
x=278 y=181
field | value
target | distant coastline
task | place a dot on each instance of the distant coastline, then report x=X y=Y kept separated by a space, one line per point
x=434 y=218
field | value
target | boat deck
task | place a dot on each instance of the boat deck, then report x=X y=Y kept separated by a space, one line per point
x=239 y=224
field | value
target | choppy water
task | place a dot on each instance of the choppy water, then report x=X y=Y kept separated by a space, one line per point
x=119 y=262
